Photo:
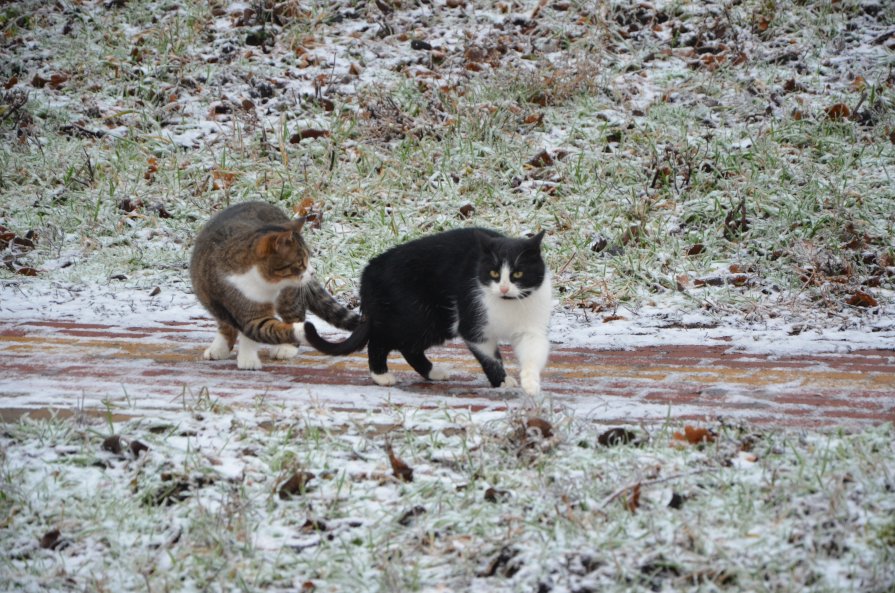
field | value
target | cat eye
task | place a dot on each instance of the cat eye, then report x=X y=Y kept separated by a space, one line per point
x=517 y=275
x=495 y=274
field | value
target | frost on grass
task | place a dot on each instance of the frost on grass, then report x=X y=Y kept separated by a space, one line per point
x=731 y=160
x=496 y=503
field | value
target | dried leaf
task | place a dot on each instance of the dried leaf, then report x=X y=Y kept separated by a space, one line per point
x=27 y=271
x=542 y=159
x=838 y=111
x=696 y=249
x=631 y=499
x=466 y=211
x=401 y=470
x=494 y=495
x=862 y=299
x=296 y=485
x=694 y=436
x=112 y=444
x=308 y=134
x=14 y=80
x=138 y=447
x=609 y=318
x=50 y=540
x=544 y=427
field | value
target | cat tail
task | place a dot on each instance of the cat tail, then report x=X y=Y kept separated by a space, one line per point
x=356 y=341
x=323 y=305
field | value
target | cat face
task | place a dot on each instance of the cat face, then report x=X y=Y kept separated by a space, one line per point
x=282 y=255
x=511 y=269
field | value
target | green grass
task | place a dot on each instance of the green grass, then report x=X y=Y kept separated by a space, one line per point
x=201 y=507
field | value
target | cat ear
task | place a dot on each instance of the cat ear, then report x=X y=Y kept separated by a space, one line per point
x=538 y=238
x=272 y=242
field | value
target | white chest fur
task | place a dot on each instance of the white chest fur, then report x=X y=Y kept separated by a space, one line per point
x=255 y=287
x=509 y=319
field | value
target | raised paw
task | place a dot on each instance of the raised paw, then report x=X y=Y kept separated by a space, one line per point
x=439 y=373
x=509 y=382
x=384 y=379
x=283 y=352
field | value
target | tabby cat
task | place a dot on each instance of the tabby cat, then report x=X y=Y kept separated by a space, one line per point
x=249 y=265
x=474 y=283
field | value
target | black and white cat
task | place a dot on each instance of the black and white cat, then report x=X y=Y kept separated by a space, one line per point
x=473 y=283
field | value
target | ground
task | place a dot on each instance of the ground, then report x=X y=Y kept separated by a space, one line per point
x=714 y=180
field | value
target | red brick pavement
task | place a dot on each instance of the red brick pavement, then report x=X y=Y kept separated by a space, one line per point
x=131 y=369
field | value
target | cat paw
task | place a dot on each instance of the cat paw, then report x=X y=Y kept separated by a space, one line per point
x=439 y=373
x=248 y=363
x=531 y=383
x=385 y=379
x=283 y=352
x=509 y=382
x=219 y=350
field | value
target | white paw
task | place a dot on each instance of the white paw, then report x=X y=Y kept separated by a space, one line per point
x=509 y=382
x=248 y=362
x=219 y=350
x=439 y=373
x=385 y=379
x=531 y=382
x=283 y=352
x=298 y=330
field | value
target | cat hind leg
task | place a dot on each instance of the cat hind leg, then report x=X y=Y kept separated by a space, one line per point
x=422 y=365
x=222 y=344
x=377 y=357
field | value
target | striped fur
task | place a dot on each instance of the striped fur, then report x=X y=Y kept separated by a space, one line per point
x=250 y=270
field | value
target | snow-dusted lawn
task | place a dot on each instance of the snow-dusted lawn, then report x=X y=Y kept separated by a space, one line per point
x=488 y=508
x=704 y=170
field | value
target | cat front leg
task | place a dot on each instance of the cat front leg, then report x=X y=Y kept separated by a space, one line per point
x=489 y=357
x=247 y=354
x=377 y=357
x=531 y=351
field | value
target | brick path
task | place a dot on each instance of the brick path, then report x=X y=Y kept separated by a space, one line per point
x=132 y=370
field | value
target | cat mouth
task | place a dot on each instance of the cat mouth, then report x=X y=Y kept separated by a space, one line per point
x=518 y=297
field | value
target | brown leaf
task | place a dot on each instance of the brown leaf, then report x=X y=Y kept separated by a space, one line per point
x=306 y=134
x=248 y=104
x=544 y=427
x=128 y=205
x=798 y=115
x=542 y=159
x=138 y=447
x=296 y=485
x=631 y=499
x=838 y=111
x=694 y=435
x=696 y=249
x=609 y=318
x=534 y=118
x=791 y=86
x=466 y=211
x=50 y=540
x=858 y=84
x=112 y=444
x=354 y=69
x=27 y=271
x=11 y=82
x=541 y=99
x=57 y=80
x=494 y=495
x=401 y=470
x=305 y=207
x=862 y=299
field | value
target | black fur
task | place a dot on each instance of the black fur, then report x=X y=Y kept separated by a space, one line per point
x=427 y=291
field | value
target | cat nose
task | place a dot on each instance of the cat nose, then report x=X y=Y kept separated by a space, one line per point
x=504 y=289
